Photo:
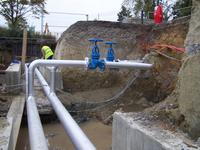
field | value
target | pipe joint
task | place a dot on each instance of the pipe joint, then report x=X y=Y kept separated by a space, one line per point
x=93 y=64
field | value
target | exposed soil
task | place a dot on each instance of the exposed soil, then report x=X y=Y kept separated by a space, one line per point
x=133 y=42
x=87 y=93
x=3 y=67
x=5 y=102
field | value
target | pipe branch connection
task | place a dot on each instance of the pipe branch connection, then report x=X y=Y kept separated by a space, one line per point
x=64 y=116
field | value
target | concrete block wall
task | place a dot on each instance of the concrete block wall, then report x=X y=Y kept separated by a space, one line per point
x=13 y=74
x=131 y=134
x=11 y=77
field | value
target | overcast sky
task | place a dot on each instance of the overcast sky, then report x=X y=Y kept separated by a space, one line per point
x=102 y=9
x=96 y=9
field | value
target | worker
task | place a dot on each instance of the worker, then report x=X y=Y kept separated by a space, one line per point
x=47 y=53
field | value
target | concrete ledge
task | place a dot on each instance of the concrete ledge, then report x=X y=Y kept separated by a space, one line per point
x=15 y=113
x=10 y=125
x=131 y=134
x=5 y=132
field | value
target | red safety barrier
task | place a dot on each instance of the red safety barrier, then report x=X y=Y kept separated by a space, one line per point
x=158 y=15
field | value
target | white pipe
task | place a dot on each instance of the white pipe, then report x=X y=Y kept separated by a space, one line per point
x=52 y=78
x=33 y=117
x=41 y=62
x=78 y=138
x=127 y=64
x=26 y=79
x=79 y=63
x=36 y=134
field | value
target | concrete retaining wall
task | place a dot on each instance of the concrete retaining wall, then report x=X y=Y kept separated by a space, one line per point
x=11 y=78
x=5 y=132
x=131 y=134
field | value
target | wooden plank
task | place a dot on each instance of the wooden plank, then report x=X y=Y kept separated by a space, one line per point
x=24 y=47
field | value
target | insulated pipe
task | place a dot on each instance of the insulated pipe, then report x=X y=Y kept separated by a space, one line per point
x=79 y=63
x=37 y=138
x=41 y=62
x=127 y=64
x=78 y=138
x=36 y=134
x=52 y=78
x=26 y=79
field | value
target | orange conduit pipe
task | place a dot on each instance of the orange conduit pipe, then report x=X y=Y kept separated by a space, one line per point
x=178 y=49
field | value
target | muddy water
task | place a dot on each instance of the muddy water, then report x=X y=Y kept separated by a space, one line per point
x=98 y=133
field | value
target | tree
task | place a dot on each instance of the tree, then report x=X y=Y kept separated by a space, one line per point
x=15 y=12
x=182 y=8
x=123 y=13
x=138 y=5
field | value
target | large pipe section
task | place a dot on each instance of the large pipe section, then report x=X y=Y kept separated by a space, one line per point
x=78 y=138
x=36 y=135
x=127 y=64
x=80 y=63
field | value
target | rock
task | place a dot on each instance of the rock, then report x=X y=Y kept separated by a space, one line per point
x=198 y=142
x=108 y=120
x=192 y=42
x=189 y=93
x=143 y=102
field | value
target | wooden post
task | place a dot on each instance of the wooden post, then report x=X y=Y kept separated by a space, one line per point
x=24 y=47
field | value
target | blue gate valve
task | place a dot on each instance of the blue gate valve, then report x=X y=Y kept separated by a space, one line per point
x=110 y=54
x=94 y=62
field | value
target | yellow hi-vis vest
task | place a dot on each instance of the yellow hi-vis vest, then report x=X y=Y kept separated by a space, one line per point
x=47 y=51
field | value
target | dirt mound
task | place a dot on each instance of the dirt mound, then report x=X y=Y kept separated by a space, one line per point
x=181 y=107
x=74 y=44
x=134 y=41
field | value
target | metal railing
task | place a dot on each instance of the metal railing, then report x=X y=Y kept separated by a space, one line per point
x=36 y=134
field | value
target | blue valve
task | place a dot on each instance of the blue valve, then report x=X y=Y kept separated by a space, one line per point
x=94 y=62
x=95 y=49
x=110 y=54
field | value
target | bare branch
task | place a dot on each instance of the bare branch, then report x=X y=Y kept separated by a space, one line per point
x=16 y=11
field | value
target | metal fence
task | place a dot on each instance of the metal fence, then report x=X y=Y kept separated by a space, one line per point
x=13 y=45
x=169 y=16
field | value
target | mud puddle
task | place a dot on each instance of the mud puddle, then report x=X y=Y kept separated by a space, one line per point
x=98 y=133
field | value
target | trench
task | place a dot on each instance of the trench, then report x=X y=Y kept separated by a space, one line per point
x=99 y=134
